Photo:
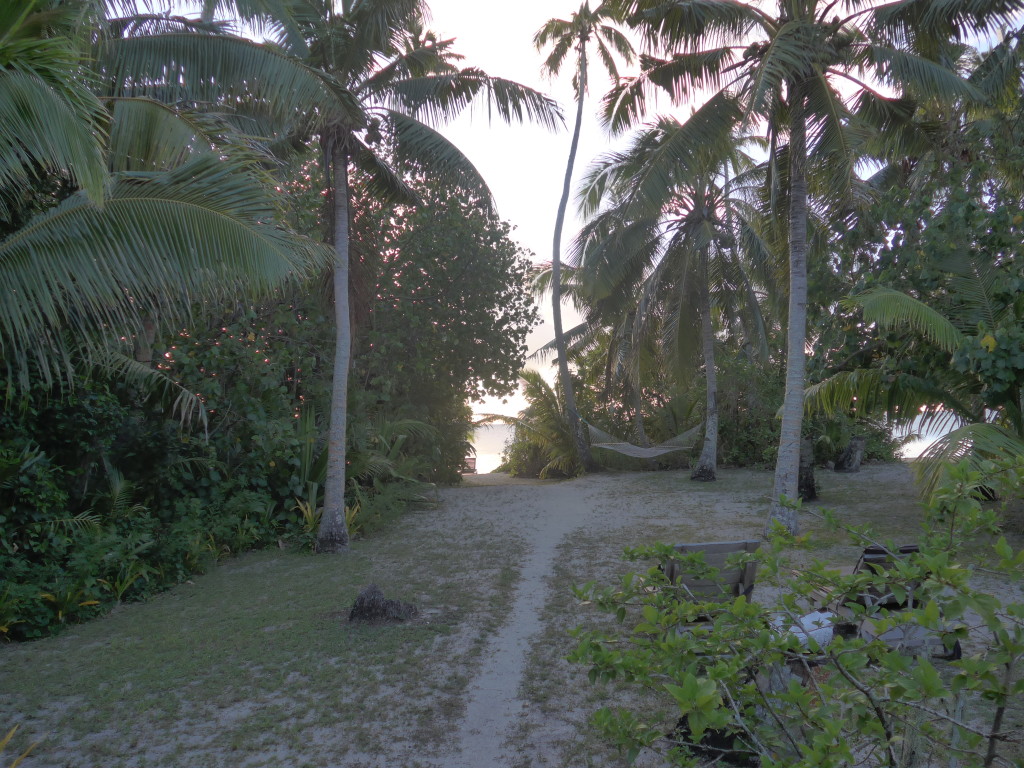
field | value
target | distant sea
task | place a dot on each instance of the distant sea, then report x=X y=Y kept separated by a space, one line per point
x=926 y=437
x=489 y=442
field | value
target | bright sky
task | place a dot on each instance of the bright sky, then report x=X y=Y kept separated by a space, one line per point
x=523 y=165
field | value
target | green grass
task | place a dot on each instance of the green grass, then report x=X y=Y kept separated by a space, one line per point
x=225 y=670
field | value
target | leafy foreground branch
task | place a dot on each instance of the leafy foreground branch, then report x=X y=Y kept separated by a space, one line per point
x=785 y=684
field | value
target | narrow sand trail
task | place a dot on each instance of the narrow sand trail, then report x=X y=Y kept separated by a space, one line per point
x=494 y=703
x=504 y=725
x=544 y=518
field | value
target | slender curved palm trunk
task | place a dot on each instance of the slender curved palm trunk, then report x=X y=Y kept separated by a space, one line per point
x=636 y=396
x=787 y=465
x=332 y=535
x=575 y=425
x=708 y=462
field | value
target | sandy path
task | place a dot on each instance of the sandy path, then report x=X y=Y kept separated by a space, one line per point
x=514 y=545
x=493 y=705
x=544 y=515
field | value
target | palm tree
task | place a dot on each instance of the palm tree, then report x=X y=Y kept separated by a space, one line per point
x=677 y=253
x=803 y=69
x=362 y=83
x=113 y=208
x=563 y=36
x=395 y=79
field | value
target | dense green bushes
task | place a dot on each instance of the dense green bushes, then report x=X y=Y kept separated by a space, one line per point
x=106 y=497
x=749 y=397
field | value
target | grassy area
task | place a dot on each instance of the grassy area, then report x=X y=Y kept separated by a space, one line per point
x=255 y=664
x=230 y=669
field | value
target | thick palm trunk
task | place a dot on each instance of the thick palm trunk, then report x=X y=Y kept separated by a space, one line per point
x=332 y=535
x=787 y=465
x=707 y=465
x=569 y=398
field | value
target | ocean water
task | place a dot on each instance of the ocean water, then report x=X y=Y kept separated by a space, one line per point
x=489 y=442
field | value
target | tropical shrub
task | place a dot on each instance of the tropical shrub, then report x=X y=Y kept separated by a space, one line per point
x=746 y=684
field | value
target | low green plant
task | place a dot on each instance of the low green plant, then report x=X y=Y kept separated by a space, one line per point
x=128 y=573
x=309 y=521
x=7 y=740
x=542 y=444
x=8 y=610
x=352 y=522
x=735 y=681
x=66 y=600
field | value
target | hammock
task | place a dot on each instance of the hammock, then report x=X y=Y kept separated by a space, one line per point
x=601 y=439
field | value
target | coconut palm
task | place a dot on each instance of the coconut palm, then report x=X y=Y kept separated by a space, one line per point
x=564 y=35
x=805 y=70
x=676 y=253
x=114 y=208
x=388 y=81
x=363 y=83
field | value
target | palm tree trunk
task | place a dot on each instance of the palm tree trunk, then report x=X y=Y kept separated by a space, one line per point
x=637 y=401
x=332 y=536
x=582 y=446
x=787 y=465
x=707 y=464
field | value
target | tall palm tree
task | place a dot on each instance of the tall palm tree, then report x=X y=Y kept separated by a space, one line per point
x=564 y=35
x=804 y=69
x=676 y=253
x=362 y=82
x=396 y=80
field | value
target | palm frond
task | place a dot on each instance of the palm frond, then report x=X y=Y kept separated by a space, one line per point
x=573 y=336
x=686 y=74
x=561 y=34
x=625 y=104
x=693 y=24
x=378 y=25
x=39 y=124
x=922 y=25
x=187 y=405
x=834 y=140
x=439 y=98
x=890 y=308
x=381 y=181
x=146 y=135
x=282 y=20
x=997 y=75
x=684 y=149
x=418 y=143
x=611 y=43
x=86 y=270
x=924 y=79
x=870 y=391
x=973 y=443
x=790 y=52
x=231 y=72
